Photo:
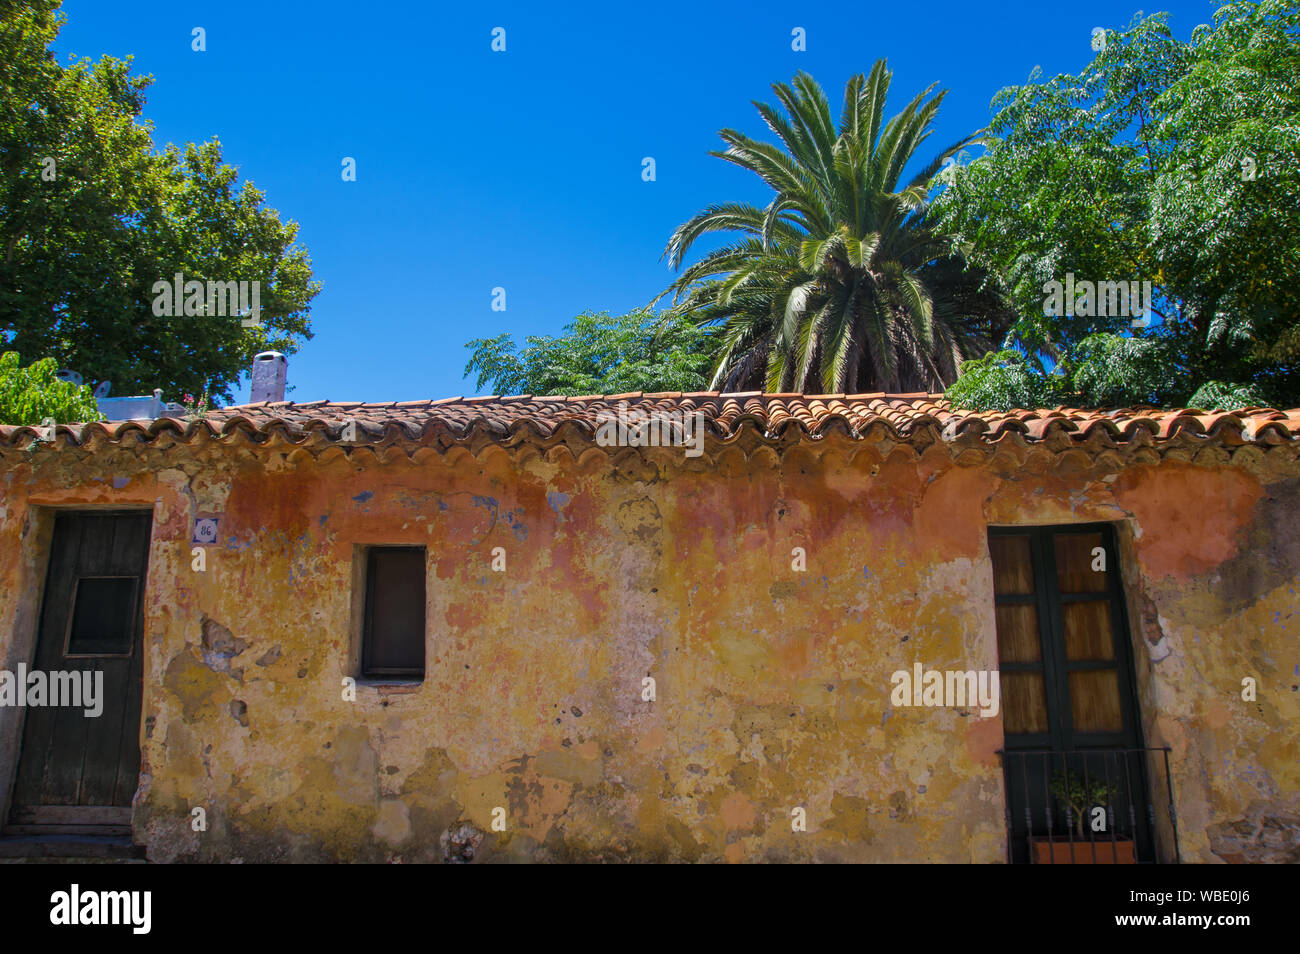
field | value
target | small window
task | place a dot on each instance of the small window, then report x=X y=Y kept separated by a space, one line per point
x=393 y=638
x=103 y=616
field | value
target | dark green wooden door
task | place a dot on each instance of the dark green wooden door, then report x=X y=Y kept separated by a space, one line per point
x=91 y=621
x=1068 y=691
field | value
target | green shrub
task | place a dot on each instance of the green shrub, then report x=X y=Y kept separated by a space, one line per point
x=32 y=394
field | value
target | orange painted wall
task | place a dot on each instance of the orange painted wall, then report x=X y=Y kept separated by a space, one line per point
x=772 y=685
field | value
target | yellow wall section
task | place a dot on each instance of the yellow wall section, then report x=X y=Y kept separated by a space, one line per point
x=772 y=685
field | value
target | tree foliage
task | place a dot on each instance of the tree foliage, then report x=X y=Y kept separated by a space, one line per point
x=597 y=354
x=1163 y=161
x=32 y=394
x=841 y=282
x=91 y=216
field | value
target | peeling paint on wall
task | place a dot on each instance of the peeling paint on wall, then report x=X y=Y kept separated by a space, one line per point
x=772 y=685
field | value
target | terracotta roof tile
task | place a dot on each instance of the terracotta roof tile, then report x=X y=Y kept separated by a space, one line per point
x=772 y=415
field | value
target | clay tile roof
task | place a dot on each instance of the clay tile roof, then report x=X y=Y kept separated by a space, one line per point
x=773 y=416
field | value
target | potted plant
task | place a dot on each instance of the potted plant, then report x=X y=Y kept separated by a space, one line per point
x=1081 y=846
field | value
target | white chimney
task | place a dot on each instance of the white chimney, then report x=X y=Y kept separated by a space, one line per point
x=270 y=372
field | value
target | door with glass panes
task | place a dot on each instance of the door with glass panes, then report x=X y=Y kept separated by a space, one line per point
x=1073 y=766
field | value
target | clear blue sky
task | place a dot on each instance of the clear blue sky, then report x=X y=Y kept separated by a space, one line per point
x=522 y=169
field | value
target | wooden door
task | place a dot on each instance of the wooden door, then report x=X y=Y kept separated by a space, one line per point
x=1069 y=699
x=74 y=768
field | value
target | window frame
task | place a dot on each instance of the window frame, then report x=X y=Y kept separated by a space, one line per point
x=391 y=675
x=1055 y=666
x=72 y=615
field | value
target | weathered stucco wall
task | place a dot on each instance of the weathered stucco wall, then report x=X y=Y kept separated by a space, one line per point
x=772 y=685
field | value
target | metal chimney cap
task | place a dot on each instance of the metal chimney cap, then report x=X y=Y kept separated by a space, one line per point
x=269 y=373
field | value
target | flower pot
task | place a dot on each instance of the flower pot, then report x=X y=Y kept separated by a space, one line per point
x=1046 y=851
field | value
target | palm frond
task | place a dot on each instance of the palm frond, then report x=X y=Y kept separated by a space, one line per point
x=839 y=281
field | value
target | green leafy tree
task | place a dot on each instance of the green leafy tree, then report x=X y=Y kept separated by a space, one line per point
x=92 y=216
x=1102 y=370
x=32 y=394
x=1002 y=380
x=1163 y=161
x=841 y=282
x=597 y=354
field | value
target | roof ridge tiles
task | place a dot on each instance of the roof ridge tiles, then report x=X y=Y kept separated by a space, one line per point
x=727 y=413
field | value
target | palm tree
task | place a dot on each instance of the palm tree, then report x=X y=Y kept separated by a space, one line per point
x=840 y=284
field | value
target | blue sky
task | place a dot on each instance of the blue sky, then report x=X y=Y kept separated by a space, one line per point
x=522 y=169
